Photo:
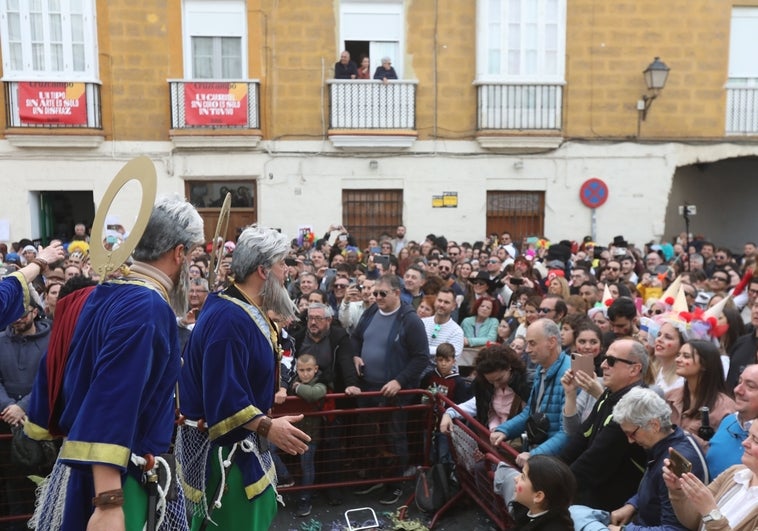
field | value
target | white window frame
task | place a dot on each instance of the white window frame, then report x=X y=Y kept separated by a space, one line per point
x=488 y=23
x=224 y=18
x=27 y=73
x=743 y=70
x=376 y=34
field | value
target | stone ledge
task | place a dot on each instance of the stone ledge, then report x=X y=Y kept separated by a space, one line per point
x=520 y=144
x=372 y=142
x=208 y=142
x=55 y=141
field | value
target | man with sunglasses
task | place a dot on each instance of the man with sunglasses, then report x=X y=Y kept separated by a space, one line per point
x=608 y=467
x=392 y=353
x=441 y=327
x=725 y=447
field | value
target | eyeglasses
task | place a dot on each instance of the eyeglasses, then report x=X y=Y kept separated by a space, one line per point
x=611 y=361
x=479 y=282
x=545 y=310
x=317 y=318
x=380 y=293
x=436 y=330
x=632 y=433
x=493 y=261
x=720 y=257
x=340 y=286
x=445 y=268
x=656 y=312
x=720 y=278
x=613 y=269
x=433 y=264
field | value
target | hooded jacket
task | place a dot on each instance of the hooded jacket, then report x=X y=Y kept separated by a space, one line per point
x=19 y=361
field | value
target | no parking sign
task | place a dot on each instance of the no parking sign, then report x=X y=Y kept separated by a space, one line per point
x=593 y=193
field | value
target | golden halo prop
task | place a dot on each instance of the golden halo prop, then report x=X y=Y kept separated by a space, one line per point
x=105 y=261
x=221 y=228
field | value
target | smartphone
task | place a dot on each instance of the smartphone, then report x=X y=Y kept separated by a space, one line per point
x=679 y=464
x=516 y=281
x=374 y=250
x=384 y=260
x=583 y=363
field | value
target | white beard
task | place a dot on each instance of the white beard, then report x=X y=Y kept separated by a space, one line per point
x=274 y=298
x=178 y=296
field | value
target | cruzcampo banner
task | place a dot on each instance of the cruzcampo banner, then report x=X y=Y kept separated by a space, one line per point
x=207 y=103
x=52 y=103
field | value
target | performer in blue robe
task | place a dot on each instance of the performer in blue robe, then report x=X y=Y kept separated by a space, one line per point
x=227 y=387
x=117 y=382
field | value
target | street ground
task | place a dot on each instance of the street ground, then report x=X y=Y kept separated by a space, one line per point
x=466 y=515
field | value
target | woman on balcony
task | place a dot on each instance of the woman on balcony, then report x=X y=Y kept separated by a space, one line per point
x=386 y=71
x=364 y=71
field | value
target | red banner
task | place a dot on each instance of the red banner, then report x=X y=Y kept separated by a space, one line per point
x=52 y=103
x=215 y=103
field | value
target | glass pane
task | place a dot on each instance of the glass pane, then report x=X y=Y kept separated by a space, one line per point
x=494 y=62
x=551 y=10
x=35 y=6
x=17 y=58
x=231 y=57
x=12 y=5
x=514 y=62
x=38 y=57
x=56 y=28
x=78 y=56
x=530 y=62
x=54 y=6
x=77 y=28
x=551 y=37
x=202 y=57
x=531 y=37
x=493 y=10
x=76 y=6
x=514 y=10
x=56 y=57
x=494 y=40
x=37 y=27
x=531 y=11
x=551 y=63
x=514 y=37
x=14 y=27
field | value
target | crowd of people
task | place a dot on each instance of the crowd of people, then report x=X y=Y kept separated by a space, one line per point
x=606 y=367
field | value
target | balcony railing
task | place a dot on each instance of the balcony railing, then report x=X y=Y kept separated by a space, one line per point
x=519 y=105
x=369 y=104
x=742 y=110
x=214 y=104
x=53 y=104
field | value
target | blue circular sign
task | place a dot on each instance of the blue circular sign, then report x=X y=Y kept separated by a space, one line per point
x=593 y=193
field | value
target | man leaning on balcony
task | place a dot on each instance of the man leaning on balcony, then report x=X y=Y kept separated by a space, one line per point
x=345 y=68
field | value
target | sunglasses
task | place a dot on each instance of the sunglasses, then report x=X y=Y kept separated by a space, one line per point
x=380 y=293
x=613 y=269
x=435 y=331
x=656 y=312
x=493 y=261
x=611 y=361
x=545 y=310
x=340 y=286
x=721 y=279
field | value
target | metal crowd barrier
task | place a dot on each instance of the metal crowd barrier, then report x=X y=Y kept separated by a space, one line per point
x=475 y=461
x=16 y=489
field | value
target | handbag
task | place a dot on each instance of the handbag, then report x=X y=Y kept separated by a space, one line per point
x=31 y=453
x=538 y=423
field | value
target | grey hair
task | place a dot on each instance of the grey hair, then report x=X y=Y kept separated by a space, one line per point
x=640 y=406
x=172 y=222
x=203 y=283
x=328 y=311
x=639 y=353
x=386 y=59
x=550 y=329
x=258 y=247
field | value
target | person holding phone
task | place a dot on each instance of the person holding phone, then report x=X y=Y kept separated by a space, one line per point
x=729 y=503
x=606 y=463
x=645 y=419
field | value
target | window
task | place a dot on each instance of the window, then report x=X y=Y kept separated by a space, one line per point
x=374 y=29
x=742 y=85
x=215 y=39
x=520 y=213
x=208 y=197
x=48 y=40
x=368 y=213
x=521 y=40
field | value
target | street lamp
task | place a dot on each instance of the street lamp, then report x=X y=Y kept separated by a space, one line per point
x=656 y=75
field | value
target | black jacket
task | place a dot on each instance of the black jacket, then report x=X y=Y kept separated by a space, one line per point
x=743 y=353
x=341 y=372
x=550 y=521
x=607 y=467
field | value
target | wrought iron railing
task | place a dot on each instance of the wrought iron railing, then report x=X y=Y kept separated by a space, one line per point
x=214 y=104
x=369 y=104
x=742 y=110
x=519 y=105
x=53 y=104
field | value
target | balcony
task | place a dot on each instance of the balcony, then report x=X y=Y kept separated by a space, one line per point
x=368 y=113
x=215 y=113
x=742 y=107
x=519 y=116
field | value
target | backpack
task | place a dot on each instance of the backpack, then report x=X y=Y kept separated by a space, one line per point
x=432 y=488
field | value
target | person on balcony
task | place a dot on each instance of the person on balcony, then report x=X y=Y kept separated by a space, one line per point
x=345 y=68
x=386 y=71
x=364 y=70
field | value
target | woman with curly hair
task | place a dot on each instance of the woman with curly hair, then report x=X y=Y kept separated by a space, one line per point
x=481 y=328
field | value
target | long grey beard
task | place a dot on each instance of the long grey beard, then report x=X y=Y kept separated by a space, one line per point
x=275 y=299
x=178 y=298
